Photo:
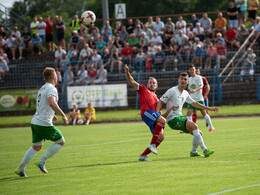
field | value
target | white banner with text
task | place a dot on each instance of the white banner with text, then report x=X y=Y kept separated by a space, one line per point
x=98 y=95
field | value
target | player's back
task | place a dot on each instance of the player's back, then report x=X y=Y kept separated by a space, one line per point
x=44 y=113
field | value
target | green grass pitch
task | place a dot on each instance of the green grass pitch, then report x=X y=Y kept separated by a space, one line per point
x=102 y=159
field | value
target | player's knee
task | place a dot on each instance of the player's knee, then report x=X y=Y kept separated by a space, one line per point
x=61 y=141
x=37 y=147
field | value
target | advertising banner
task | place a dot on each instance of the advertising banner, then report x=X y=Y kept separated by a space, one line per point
x=98 y=95
x=18 y=99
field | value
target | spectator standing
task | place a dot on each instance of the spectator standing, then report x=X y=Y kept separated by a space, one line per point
x=41 y=26
x=49 y=33
x=60 y=30
x=252 y=9
x=232 y=13
x=75 y=24
x=33 y=26
x=206 y=24
x=242 y=7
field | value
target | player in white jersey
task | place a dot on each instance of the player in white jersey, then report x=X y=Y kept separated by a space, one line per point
x=174 y=98
x=195 y=89
x=42 y=126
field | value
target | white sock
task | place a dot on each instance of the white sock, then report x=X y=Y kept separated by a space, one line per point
x=195 y=145
x=189 y=118
x=208 y=120
x=51 y=150
x=199 y=139
x=74 y=121
x=27 y=158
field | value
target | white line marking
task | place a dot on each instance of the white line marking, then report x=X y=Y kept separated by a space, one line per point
x=221 y=192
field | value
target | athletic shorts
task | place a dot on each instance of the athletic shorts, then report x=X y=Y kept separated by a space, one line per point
x=40 y=133
x=178 y=123
x=206 y=102
x=242 y=14
x=149 y=117
x=252 y=14
x=194 y=108
x=60 y=36
x=49 y=38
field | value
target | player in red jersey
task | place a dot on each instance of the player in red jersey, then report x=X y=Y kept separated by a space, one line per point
x=205 y=92
x=148 y=102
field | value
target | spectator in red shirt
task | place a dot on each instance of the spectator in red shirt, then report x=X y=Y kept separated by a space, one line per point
x=49 y=33
x=221 y=53
x=92 y=74
x=127 y=53
x=230 y=37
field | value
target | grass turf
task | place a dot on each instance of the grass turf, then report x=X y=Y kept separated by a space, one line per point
x=102 y=159
x=121 y=115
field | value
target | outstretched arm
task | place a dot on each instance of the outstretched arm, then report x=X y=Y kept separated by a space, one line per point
x=130 y=79
x=198 y=105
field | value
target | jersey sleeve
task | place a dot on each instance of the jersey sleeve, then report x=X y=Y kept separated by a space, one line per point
x=165 y=97
x=205 y=81
x=189 y=100
x=200 y=81
x=52 y=92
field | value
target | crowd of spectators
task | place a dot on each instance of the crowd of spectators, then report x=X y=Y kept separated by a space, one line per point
x=92 y=53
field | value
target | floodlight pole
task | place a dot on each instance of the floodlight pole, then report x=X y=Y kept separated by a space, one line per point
x=105 y=10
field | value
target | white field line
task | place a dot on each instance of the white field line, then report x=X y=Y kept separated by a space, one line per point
x=234 y=189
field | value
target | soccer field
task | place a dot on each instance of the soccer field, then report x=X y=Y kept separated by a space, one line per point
x=103 y=159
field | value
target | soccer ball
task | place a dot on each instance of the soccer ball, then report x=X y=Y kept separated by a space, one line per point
x=88 y=17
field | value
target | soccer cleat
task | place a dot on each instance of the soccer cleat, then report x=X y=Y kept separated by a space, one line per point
x=211 y=129
x=152 y=147
x=208 y=152
x=181 y=131
x=20 y=173
x=41 y=166
x=143 y=158
x=195 y=154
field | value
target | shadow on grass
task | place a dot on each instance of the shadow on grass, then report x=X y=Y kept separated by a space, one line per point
x=116 y=163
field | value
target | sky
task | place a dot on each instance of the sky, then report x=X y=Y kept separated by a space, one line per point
x=8 y=3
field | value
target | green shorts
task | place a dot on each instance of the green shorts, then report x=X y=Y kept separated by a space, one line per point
x=40 y=133
x=193 y=108
x=178 y=123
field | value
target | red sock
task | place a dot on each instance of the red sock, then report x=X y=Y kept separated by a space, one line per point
x=156 y=132
x=158 y=143
x=194 y=117
x=148 y=151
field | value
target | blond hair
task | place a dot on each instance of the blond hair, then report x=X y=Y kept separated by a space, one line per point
x=48 y=73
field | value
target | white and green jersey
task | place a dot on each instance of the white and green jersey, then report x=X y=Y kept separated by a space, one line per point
x=194 y=83
x=173 y=97
x=44 y=113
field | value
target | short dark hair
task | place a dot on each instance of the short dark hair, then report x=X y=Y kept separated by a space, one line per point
x=191 y=66
x=184 y=74
x=48 y=73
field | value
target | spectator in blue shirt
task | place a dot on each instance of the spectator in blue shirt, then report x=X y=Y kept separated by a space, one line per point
x=199 y=55
x=36 y=44
x=247 y=70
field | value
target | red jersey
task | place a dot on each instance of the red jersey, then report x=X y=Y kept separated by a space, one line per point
x=231 y=35
x=221 y=50
x=48 y=29
x=205 y=82
x=127 y=51
x=148 y=99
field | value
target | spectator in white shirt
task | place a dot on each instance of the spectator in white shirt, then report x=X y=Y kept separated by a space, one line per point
x=58 y=56
x=41 y=26
x=96 y=59
x=157 y=40
x=182 y=22
x=101 y=76
x=3 y=68
x=82 y=76
x=158 y=26
x=83 y=52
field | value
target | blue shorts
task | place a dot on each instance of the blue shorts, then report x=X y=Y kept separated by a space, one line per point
x=206 y=102
x=149 y=117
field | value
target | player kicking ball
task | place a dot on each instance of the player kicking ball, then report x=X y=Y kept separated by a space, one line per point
x=154 y=120
x=41 y=124
x=174 y=98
